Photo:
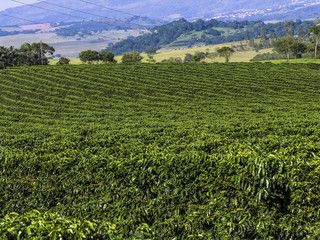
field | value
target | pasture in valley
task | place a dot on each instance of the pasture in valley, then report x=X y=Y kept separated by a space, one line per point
x=243 y=56
x=70 y=46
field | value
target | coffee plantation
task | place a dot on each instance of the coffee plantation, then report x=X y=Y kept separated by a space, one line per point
x=160 y=151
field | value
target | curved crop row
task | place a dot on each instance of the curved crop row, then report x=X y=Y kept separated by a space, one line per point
x=162 y=151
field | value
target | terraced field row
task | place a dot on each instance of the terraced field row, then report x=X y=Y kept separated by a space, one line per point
x=160 y=151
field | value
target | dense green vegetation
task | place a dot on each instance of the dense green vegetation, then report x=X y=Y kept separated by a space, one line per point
x=268 y=56
x=90 y=56
x=28 y=54
x=131 y=57
x=305 y=45
x=161 y=151
x=63 y=61
x=184 y=33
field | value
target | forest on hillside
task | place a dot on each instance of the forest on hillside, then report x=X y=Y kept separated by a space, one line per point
x=163 y=35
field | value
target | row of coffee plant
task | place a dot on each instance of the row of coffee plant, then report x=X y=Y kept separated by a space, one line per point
x=160 y=151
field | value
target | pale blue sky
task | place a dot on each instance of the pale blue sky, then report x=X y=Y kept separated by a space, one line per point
x=4 y=4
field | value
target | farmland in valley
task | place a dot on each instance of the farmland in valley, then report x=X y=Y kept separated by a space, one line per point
x=69 y=46
x=160 y=151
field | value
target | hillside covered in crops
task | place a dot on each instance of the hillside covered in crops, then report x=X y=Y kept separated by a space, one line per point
x=160 y=151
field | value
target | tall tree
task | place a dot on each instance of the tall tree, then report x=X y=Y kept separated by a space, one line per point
x=263 y=35
x=315 y=30
x=247 y=36
x=298 y=48
x=284 y=45
x=35 y=53
x=9 y=57
x=26 y=54
x=40 y=50
x=225 y=52
x=288 y=45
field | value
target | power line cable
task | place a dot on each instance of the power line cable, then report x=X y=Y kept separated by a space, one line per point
x=92 y=14
x=50 y=10
x=19 y=18
x=36 y=22
x=120 y=11
x=31 y=5
x=31 y=21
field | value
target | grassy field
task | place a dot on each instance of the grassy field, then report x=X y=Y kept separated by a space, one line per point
x=228 y=31
x=180 y=41
x=73 y=61
x=244 y=56
x=160 y=151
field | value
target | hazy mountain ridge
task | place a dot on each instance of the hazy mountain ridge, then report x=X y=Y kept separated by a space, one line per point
x=165 y=10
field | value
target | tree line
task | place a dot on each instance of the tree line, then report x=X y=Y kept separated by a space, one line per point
x=27 y=55
x=90 y=56
x=292 y=45
x=224 y=52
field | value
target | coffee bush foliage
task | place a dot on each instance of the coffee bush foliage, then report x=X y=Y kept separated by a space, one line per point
x=160 y=151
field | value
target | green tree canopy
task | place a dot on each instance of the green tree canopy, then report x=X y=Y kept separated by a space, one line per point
x=225 y=52
x=298 y=48
x=9 y=57
x=131 y=57
x=288 y=45
x=315 y=30
x=89 y=56
x=188 y=57
x=284 y=45
x=63 y=61
x=35 y=53
x=107 y=57
x=28 y=54
x=196 y=58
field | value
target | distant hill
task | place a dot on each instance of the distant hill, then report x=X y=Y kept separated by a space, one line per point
x=184 y=34
x=164 y=10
